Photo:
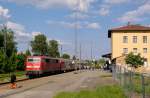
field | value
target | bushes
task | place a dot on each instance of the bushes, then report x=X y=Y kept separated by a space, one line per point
x=12 y=63
x=7 y=64
x=21 y=61
x=2 y=61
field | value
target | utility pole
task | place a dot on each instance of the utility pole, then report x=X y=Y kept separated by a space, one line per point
x=61 y=54
x=80 y=56
x=77 y=10
x=80 y=52
x=5 y=41
x=91 y=50
x=76 y=33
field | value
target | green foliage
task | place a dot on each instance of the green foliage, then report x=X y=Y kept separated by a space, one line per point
x=134 y=60
x=66 y=56
x=10 y=43
x=28 y=53
x=8 y=60
x=100 y=92
x=2 y=59
x=1 y=39
x=5 y=77
x=101 y=62
x=21 y=61
x=12 y=62
x=53 y=50
x=9 y=63
x=39 y=45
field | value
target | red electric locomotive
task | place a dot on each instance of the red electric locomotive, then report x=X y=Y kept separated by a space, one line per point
x=38 y=65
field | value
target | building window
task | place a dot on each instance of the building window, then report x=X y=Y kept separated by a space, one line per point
x=134 y=39
x=125 y=39
x=134 y=50
x=125 y=50
x=144 y=39
x=144 y=50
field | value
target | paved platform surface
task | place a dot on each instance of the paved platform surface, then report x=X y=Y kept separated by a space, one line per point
x=47 y=87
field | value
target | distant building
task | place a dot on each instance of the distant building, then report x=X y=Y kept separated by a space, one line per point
x=130 y=38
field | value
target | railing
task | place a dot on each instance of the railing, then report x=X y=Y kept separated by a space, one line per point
x=135 y=85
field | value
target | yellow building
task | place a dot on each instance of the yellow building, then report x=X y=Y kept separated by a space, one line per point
x=130 y=38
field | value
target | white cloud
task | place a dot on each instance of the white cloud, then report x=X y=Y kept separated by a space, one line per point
x=93 y=26
x=80 y=25
x=20 y=32
x=116 y=1
x=65 y=24
x=4 y=13
x=18 y=29
x=106 y=5
x=22 y=37
x=78 y=15
x=136 y=15
x=35 y=34
x=104 y=11
x=45 y=4
x=60 y=41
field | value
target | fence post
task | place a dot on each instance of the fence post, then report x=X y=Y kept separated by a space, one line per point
x=131 y=83
x=143 y=86
x=114 y=71
x=125 y=79
x=120 y=75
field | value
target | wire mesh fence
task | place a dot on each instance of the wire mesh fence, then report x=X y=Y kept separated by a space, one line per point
x=135 y=85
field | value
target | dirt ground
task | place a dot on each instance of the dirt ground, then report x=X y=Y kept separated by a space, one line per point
x=47 y=87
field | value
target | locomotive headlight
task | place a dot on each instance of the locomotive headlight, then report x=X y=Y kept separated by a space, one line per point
x=29 y=66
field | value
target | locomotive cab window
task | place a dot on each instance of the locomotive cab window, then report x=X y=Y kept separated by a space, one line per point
x=34 y=60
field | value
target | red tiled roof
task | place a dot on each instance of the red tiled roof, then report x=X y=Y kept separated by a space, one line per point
x=129 y=28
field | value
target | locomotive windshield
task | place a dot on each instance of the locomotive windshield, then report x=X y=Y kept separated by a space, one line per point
x=33 y=59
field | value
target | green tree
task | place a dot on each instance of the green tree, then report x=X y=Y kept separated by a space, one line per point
x=66 y=56
x=39 y=45
x=134 y=60
x=101 y=62
x=21 y=58
x=7 y=62
x=1 y=39
x=53 y=50
x=28 y=53
x=10 y=43
x=12 y=62
x=2 y=58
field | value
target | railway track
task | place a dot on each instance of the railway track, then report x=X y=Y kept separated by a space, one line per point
x=25 y=79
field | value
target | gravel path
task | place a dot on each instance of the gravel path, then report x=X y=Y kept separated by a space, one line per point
x=47 y=87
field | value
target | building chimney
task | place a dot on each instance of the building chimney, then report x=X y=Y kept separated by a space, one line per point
x=129 y=23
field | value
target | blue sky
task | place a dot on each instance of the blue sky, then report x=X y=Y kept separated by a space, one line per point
x=56 y=19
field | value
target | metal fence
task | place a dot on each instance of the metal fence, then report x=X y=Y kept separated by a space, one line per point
x=135 y=85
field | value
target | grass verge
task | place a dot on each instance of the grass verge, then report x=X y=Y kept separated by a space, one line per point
x=100 y=92
x=6 y=77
